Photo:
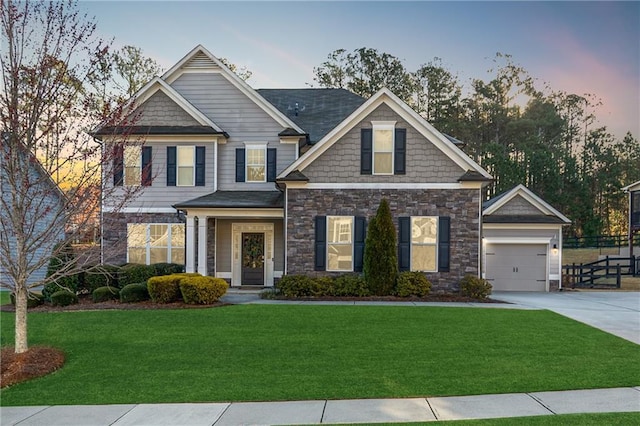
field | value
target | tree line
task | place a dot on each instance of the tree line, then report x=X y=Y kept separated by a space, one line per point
x=548 y=140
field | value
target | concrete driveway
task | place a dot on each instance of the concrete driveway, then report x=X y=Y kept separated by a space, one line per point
x=616 y=312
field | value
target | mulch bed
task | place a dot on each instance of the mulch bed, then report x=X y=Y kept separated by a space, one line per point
x=38 y=361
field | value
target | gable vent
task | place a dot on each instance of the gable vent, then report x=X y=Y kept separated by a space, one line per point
x=201 y=61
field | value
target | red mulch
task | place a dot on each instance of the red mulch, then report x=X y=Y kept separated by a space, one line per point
x=36 y=362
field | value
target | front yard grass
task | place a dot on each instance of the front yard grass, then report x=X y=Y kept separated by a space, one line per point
x=291 y=352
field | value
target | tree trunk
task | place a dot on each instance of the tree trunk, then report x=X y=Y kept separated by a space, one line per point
x=21 y=318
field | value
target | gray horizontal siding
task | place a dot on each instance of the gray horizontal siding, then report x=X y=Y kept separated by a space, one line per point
x=223 y=243
x=240 y=117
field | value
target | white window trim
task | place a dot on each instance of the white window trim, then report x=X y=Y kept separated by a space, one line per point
x=411 y=268
x=124 y=168
x=254 y=146
x=383 y=125
x=193 y=177
x=352 y=243
x=148 y=240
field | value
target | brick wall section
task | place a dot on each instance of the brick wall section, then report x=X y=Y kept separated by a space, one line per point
x=517 y=206
x=462 y=206
x=114 y=234
x=160 y=110
x=425 y=162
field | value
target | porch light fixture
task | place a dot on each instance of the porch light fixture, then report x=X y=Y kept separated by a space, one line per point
x=555 y=249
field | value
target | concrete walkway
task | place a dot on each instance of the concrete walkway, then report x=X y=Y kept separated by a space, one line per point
x=330 y=412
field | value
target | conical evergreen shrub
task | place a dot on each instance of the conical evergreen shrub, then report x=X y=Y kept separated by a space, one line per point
x=380 y=252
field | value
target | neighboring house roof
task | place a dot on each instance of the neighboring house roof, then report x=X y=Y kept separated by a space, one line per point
x=547 y=214
x=385 y=96
x=317 y=111
x=201 y=60
x=633 y=187
x=236 y=199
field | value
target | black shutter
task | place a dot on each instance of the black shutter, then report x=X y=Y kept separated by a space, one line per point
x=358 y=248
x=146 y=166
x=271 y=164
x=118 y=164
x=321 y=243
x=404 y=243
x=200 y=165
x=171 y=165
x=366 y=151
x=400 y=154
x=240 y=165
x=444 y=231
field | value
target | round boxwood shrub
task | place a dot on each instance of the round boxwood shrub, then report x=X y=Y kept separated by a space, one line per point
x=104 y=294
x=166 y=288
x=299 y=286
x=475 y=287
x=101 y=276
x=63 y=298
x=350 y=285
x=136 y=292
x=202 y=290
x=135 y=273
x=411 y=283
x=167 y=268
x=33 y=300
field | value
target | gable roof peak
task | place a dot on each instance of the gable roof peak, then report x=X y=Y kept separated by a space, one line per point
x=500 y=200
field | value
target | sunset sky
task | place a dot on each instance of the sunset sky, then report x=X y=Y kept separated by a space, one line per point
x=578 y=47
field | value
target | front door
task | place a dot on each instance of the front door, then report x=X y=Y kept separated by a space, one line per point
x=252 y=258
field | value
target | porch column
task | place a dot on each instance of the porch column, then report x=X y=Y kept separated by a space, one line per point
x=191 y=246
x=202 y=245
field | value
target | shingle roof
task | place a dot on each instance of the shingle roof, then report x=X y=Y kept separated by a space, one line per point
x=317 y=111
x=159 y=130
x=295 y=176
x=473 y=176
x=236 y=199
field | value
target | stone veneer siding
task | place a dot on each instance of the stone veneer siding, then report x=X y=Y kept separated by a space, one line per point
x=211 y=247
x=461 y=205
x=114 y=233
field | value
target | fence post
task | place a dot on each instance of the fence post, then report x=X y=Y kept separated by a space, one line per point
x=618 y=277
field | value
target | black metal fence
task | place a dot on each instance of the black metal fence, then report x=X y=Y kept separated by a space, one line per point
x=599 y=241
x=605 y=273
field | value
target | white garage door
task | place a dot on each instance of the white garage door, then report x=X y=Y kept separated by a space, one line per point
x=517 y=267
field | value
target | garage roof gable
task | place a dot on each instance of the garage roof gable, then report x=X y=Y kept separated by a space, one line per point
x=527 y=207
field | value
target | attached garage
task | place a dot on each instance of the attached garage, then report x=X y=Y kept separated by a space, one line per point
x=522 y=242
x=517 y=267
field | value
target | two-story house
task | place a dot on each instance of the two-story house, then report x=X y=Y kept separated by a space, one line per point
x=249 y=185
x=634 y=214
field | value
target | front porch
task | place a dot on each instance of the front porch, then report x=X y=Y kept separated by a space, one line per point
x=236 y=236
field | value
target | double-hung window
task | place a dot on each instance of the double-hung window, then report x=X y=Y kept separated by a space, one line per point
x=256 y=162
x=424 y=243
x=383 y=147
x=149 y=243
x=340 y=243
x=186 y=165
x=132 y=165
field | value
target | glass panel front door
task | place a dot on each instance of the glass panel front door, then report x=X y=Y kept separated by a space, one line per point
x=252 y=258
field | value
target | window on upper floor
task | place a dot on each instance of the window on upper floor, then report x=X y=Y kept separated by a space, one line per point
x=255 y=163
x=132 y=165
x=186 y=165
x=149 y=243
x=383 y=149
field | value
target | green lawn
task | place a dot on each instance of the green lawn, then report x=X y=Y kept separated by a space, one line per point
x=293 y=352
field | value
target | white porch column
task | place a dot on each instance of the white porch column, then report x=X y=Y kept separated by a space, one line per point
x=191 y=246
x=202 y=245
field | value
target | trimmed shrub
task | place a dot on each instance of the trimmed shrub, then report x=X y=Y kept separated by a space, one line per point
x=299 y=286
x=104 y=294
x=412 y=284
x=101 y=276
x=136 y=292
x=350 y=285
x=165 y=288
x=380 y=252
x=475 y=287
x=63 y=258
x=202 y=290
x=33 y=299
x=167 y=268
x=63 y=298
x=135 y=273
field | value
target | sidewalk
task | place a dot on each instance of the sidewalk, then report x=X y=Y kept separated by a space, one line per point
x=332 y=411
